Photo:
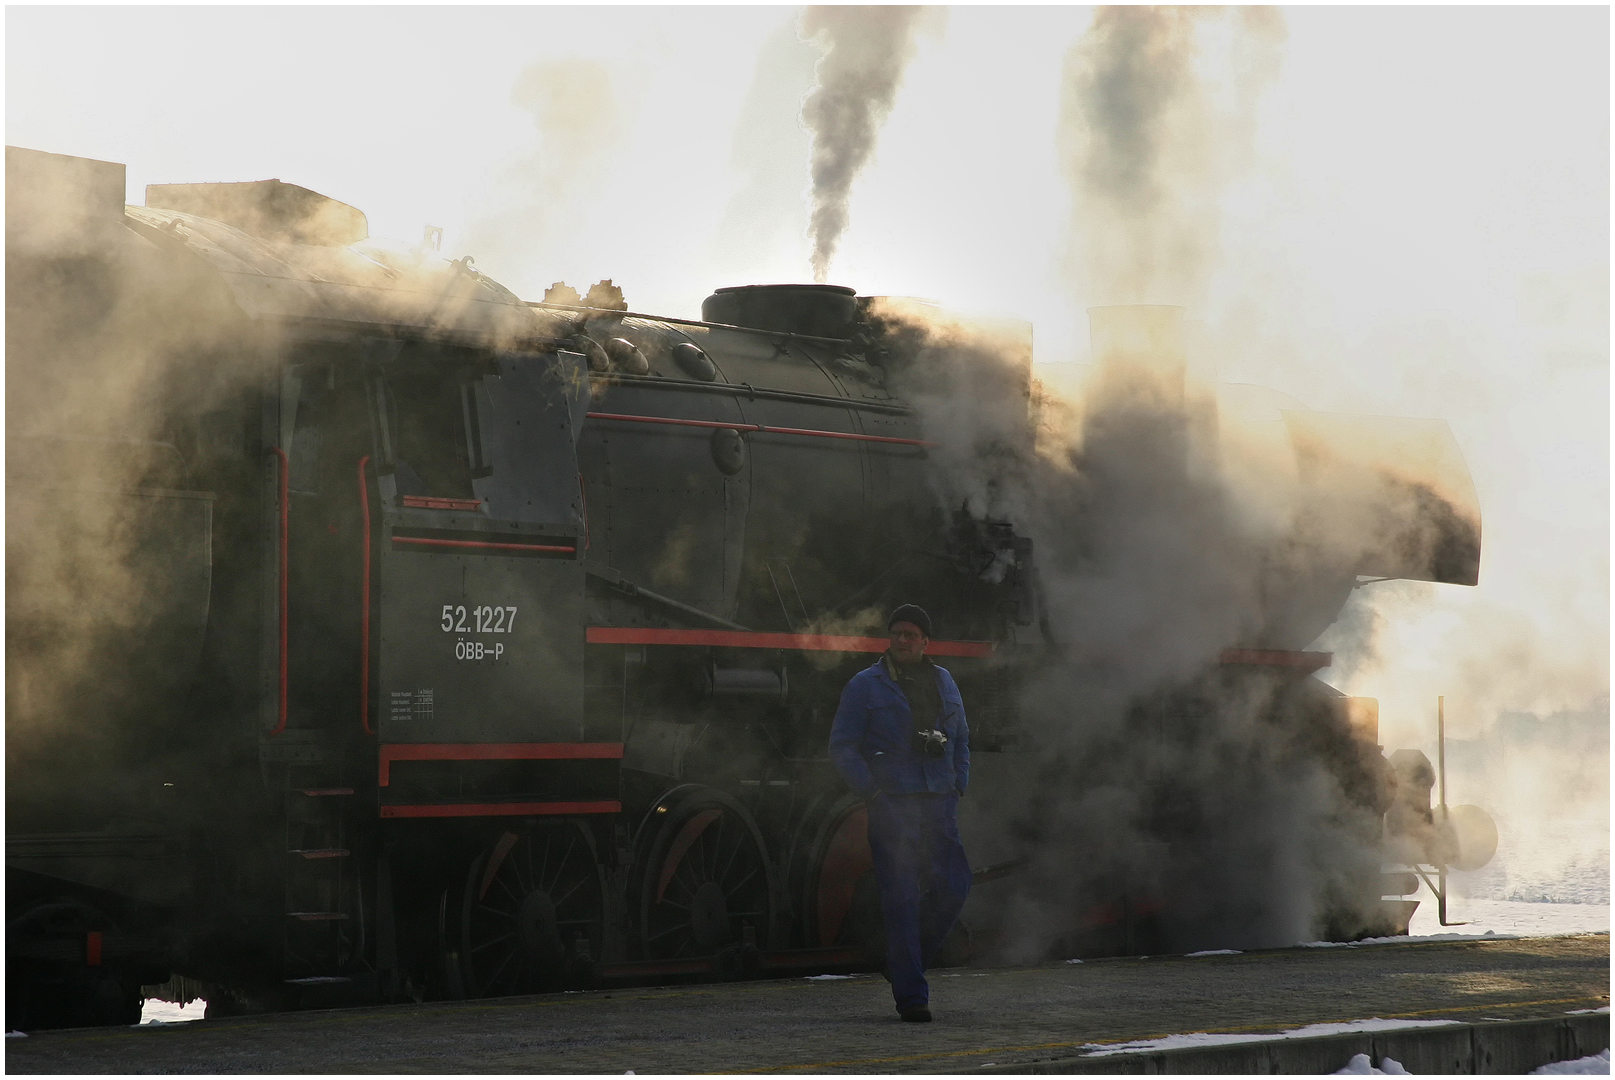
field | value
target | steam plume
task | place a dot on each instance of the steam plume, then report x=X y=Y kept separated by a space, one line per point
x=1149 y=141
x=867 y=49
x=580 y=123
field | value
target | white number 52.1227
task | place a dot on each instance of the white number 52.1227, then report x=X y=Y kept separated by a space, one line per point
x=478 y=620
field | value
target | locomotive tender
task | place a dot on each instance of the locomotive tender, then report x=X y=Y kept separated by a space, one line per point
x=374 y=633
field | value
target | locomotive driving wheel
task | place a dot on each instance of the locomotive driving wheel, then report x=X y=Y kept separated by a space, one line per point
x=707 y=884
x=532 y=915
x=838 y=897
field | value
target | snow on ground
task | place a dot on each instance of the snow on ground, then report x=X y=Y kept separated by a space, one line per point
x=1201 y=1038
x=155 y=1011
x=1359 y=1065
x=1477 y=919
x=1597 y=1065
x=1508 y=917
x=1215 y=952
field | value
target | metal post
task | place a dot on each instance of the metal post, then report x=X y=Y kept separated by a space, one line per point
x=1441 y=752
x=1441 y=772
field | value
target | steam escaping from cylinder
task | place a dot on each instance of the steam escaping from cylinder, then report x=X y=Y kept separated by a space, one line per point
x=1157 y=116
x=866 y=52
x=1157 y=770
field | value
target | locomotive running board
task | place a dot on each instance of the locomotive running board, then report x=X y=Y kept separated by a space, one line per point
x=736 y=639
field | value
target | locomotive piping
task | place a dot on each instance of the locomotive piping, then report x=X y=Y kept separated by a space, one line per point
x=759 y=429
x=628 y=588
x=751 y=392
x=285 y=535
x=427 y=541
x=364 y=604
x=751 y=639
x=783 y=335
x=458 y=810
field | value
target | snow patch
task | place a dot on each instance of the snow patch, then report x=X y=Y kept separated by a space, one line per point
x=1597 y=1065
x=1511 y=917
x=1217 y=952
x=821 y=978
x=16 y=1034
x=1490 y=935
x=1073 y=961
x=156 y=1012
x=1359 y=1065
x=1201 y=1038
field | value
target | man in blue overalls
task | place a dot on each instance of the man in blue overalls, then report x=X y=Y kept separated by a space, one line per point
x=900 y=741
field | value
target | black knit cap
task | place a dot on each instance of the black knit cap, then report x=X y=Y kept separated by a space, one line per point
x=911 y=613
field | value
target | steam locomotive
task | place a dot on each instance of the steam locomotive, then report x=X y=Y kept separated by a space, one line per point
x=373 y=633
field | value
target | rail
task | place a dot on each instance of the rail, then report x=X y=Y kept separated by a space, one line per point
x=762 y=429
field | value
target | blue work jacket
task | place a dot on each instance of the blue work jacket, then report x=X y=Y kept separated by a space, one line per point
x=872 y=741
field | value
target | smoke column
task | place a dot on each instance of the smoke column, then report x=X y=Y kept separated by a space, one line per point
x=866 y=50
x=1149 y=142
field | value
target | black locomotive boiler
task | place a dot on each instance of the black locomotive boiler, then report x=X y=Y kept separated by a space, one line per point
x=373 y=633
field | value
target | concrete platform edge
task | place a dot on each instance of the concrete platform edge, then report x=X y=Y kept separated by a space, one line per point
x=1501 y=1047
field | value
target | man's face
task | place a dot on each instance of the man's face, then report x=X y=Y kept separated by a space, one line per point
x=908 y=642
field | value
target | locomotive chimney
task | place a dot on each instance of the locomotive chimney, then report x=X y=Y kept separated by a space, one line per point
x=1140 y=346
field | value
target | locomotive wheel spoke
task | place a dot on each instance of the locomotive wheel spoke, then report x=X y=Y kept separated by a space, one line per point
x=718 y=881
x=515 y=939
x=569 y=894
x=493 y=980
x=561 y=866
x=544 y=861
x=679 y=875
x=492 y=943
x=728 y=865
x=736 y=888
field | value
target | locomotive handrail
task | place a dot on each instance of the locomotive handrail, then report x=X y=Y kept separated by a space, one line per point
x=750 y=391
x=752 y=639
x=432 y=541
x=285 y=530
x=364 y=605
x=764 y=429
x=613 y=313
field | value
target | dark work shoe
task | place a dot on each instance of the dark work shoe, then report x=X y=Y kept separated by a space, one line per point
x=919 y=1014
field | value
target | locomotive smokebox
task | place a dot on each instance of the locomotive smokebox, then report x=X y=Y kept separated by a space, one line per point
x=814 y=310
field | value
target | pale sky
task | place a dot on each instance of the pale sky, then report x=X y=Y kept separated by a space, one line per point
x=1424 y=230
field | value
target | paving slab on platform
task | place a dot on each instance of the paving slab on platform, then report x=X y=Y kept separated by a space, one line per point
x=989 y=1018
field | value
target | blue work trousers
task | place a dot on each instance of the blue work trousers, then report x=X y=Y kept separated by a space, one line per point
x=923 y=877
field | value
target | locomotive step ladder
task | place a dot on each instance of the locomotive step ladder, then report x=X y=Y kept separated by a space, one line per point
x=321 y=933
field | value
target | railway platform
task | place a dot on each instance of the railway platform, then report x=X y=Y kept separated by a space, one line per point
x=1511 y=1003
